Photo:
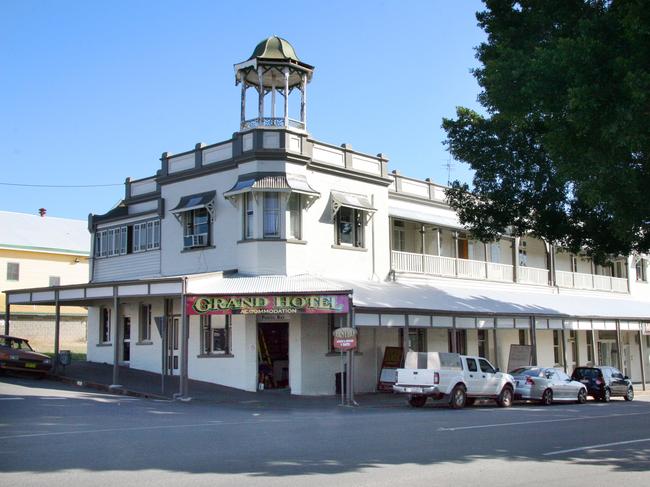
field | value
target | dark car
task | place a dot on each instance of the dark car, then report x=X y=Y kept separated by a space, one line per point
x=604 y=382
x=16 y=354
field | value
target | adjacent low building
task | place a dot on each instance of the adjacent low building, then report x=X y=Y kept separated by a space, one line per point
x=236 y=261
x=40 y=250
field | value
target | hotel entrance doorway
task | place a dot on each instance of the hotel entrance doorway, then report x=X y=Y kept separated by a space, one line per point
x=273 y=355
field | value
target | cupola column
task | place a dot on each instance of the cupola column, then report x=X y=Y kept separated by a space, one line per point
x=286 y=96
x=260 y=75
x=273 y=98
x=303 y=100
x=243 y=103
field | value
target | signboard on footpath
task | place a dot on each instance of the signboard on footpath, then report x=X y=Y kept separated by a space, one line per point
x=271 y=304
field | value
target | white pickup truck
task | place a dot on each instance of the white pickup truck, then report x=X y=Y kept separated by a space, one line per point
x=459 y=378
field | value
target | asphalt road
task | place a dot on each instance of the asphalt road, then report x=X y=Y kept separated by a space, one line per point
x=52 y=434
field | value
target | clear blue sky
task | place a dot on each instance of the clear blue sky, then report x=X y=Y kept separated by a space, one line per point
x=94 y=92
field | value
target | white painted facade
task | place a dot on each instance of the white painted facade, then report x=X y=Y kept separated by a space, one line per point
x=411 y=237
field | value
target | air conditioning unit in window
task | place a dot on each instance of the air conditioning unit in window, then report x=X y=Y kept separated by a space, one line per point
x=198 y=240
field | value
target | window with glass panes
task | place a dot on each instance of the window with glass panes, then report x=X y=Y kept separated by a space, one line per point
x=399 y=236
x=105 y=325
x=13 y=271
x=557 y=347
x=294 y=220
x=271 y=213
x=145 y=323
x=482 y=343
x=196 y=228
x=417 y=339
x=349 y=227
x=249 y=215
x=215 y=334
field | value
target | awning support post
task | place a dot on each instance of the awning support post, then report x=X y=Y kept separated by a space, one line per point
x=7 y=314
x=564 y=355
x=115 y=321
x=57 y=330
x=593 y=346
x=184 y=384
x=643 y=385
x=496 y=348
x=533 y=340
x=619 y=351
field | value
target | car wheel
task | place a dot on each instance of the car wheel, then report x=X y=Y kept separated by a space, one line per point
x=458 y=397
x=547 y=397
x=629 y=395
x=470 y=401
x=417 y=401
x=582 y=396
x=505 y=398
x=607 y=395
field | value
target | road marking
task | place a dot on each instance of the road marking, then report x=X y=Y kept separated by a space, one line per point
x=519 y=423
x=11 y=398
x=594 y=447
x=147 y=428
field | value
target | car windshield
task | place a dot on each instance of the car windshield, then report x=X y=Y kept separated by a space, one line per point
x=531 y=371
x=19 y=345
x=586 y=373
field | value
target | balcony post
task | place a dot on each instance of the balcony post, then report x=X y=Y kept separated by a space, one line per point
x=438 y=241
x=455 y=254
x=422 y=232
x=515 y=260
x=303 y=101
x=485 y=256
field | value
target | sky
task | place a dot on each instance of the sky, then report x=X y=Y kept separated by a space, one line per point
x=94 y=92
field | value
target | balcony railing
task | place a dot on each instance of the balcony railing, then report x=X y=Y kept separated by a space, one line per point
x=271 y=122
x=437 y=265
x=577 y=280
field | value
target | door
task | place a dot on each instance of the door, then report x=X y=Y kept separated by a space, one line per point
x=126 y=339
x=489 y=377
x=463 y=249
x=172 y=343
x=474 y=378
x=618 y=386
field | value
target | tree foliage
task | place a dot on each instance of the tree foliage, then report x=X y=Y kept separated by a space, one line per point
x=562 y=150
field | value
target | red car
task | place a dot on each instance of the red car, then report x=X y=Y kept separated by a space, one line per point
x=16 y=354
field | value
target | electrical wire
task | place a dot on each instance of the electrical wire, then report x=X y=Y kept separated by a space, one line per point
x=60 y=185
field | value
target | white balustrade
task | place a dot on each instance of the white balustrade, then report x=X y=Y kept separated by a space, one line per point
x=564 y=279
x=472 y=269
x=582 y=281
x=602 y=283
x=619 y=285
x=499 y=272
x=532 y=275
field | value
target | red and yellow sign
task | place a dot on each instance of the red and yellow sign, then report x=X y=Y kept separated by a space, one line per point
x=280 y=304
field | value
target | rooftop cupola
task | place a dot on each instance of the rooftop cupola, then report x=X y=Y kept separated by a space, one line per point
x=273 y=68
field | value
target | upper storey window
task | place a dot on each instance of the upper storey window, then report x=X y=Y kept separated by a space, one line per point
x=279 y=198
x=127 y=239
x=350 y=212
x=196 y=213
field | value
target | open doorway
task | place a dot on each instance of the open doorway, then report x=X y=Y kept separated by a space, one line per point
x=273 y=355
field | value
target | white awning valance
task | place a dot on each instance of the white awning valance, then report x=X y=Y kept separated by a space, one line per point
x=351 y=200
x=279 y=183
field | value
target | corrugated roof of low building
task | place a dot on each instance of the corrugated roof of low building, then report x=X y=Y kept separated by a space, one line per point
x=22 y=231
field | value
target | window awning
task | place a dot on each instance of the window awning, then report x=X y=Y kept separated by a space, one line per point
x=279 y=183
x=351 y=200
x=195 y=202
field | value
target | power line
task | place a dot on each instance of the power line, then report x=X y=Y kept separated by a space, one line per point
x=60 y=185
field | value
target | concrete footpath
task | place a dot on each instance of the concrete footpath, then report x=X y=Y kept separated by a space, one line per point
x=139 y=383
x=147 y=384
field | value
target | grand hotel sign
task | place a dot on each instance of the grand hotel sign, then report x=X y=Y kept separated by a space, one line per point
x=271 y=304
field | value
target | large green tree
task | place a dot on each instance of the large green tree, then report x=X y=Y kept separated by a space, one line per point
x=561 y=150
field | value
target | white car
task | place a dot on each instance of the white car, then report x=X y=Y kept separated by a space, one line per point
x=460 y=378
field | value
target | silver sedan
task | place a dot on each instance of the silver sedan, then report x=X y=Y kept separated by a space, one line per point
x=547 y=384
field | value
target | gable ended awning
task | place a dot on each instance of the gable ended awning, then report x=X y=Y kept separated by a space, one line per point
x=279 y=183
x=195 y=202
x=351 y=200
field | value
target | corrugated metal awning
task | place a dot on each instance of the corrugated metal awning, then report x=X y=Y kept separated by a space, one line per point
x=195 y=201
x=280 y=183
x=351 y=200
